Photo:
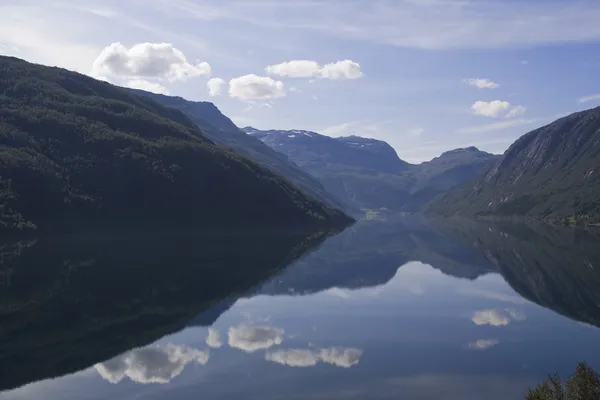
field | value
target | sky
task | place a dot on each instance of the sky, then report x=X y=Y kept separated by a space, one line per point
x=424 y=75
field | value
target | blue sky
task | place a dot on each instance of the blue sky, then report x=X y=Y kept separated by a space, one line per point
x=403 y=71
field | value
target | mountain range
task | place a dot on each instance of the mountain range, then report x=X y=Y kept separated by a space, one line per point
x=550 y=173
x=220 y=129
x=368 y=174
x=76 y=150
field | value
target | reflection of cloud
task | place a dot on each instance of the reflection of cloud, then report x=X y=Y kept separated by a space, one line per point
x=338 y=356
x=252 y=338
x=483 y=344
x=496 y=317
x=293 y=357
x=151 y=364
x=214 y=338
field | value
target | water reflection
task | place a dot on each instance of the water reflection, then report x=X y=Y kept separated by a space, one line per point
x=76 y=301
x=152 y=364
x=403 y=308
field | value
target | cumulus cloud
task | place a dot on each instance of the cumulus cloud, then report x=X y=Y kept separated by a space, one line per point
x=345 y=69
x=215 y=86
x=214 y=338
x=497 y=108
x=493 y=108
x=295 y=69
x=338 y=356
x=147 y=60
x=253 y=338
x=483 y=344
x=147 y=86
x=481 y=83
x=496 y=317
x=157 y=364
x=254 y=87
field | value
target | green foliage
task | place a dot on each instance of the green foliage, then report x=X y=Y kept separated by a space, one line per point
x=75 y=150
x=584 y=384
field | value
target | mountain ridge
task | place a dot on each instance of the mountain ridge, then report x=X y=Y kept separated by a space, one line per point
x=368 y=174
x=221 y=129
x=95 y=152
x=549 y=173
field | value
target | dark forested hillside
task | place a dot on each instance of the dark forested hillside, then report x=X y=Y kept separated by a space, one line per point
x=367 y=173
x=76 y=149
x=552 y=172
x=220 y=129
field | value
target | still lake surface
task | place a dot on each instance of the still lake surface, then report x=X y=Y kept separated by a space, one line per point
x=393 y=308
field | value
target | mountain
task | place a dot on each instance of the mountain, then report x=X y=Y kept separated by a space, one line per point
x=76 y=150
x=368 y=174
x=221 y=130
x=68 y=302
x=551 y=172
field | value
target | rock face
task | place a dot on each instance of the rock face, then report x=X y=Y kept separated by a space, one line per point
x=368 y=174
x=552 y=172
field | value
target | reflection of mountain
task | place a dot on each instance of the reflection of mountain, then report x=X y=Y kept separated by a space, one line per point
x=369 y=254
x=78 y=301
x=555 y=267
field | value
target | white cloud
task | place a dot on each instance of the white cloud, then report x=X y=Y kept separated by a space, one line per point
x=592 y=97
x=496 y=126
x=254 y=87
x=493 y=108
x=345 y=69
x=144 y=85
x=214 y=338
x=215 y=86
x=147 y=60
x=496 y=317
x=338 y=356
x=253 y=338
x=481 y=83
x=516 y=111
x=151 y=364
x=295 y=69
x=483 y=344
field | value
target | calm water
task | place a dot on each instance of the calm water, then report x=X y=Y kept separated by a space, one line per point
x=389 y=309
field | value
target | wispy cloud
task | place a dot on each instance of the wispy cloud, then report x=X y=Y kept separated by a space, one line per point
x=592 y=97
x=481 y=83
x=439 y=24
x=496 y=126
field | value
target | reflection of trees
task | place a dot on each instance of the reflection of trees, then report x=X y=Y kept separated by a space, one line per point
x=555 y=267
x=77 y=301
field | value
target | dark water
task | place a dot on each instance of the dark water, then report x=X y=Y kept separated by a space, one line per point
x=401 y=308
